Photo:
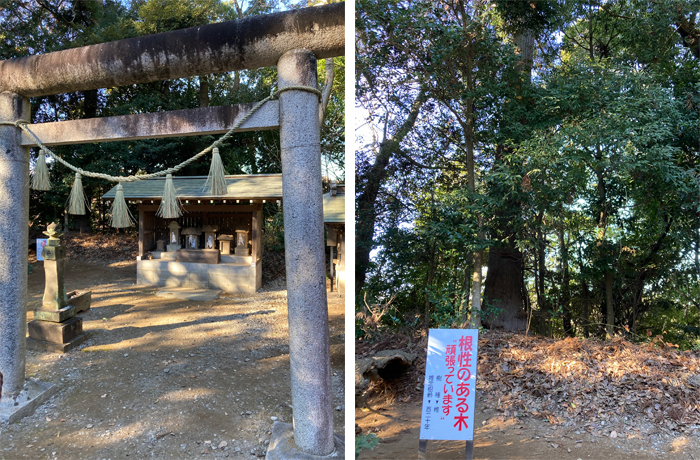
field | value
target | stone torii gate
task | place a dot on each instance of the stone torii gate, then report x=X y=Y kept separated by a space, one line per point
x=291 y=40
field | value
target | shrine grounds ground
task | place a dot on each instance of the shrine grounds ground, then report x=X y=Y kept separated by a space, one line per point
x=164 y=378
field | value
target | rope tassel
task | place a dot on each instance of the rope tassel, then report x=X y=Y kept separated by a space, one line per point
x=217 y=175
x=40 y=179
x=76 y=201
x=121 y=217
x=170 y=207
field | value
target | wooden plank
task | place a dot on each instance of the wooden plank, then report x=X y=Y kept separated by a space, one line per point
x=256 y=237
x=200 y=256
x=188 y=122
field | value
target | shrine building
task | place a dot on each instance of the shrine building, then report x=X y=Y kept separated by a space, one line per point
x=215 y=244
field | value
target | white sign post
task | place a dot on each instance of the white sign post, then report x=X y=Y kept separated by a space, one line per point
x=449 y=393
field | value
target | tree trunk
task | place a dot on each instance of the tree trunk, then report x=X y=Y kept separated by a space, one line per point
x=565 y=280
x=366 y=200
x=466 y=291
x=476 y=311
x=502 y=288
x=504 y=279
x=327 y=87
x=428 y=285
x=610 y=325
x=203 y=91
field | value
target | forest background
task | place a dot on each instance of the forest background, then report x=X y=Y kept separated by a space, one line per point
x=40 y=26
x=530 y=165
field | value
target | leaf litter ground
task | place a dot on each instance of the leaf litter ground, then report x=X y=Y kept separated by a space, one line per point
x=552 y=398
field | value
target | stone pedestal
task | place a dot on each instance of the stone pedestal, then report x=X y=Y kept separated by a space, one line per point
x=225 y=244
x=160 y=245
x=32 y=395
x=56 y=337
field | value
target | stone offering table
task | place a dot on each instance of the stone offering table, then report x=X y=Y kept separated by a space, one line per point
x=55 y=326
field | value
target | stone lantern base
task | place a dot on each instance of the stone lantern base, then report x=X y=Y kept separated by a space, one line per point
x=59 y=330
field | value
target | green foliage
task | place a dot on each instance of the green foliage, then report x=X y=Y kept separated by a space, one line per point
x=588 y=166
x=365 y=441
x=273 y=234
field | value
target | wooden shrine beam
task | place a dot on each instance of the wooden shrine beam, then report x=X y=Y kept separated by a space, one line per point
x=188 y=122
x=212 y=209
x=248 y=43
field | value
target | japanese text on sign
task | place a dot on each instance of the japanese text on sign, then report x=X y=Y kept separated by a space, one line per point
x=450 y=385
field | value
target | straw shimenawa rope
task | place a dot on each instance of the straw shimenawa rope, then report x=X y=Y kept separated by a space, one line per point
x=121 y=217
x=23 y=125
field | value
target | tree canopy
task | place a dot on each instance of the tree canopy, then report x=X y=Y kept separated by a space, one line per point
x=556 y=143
x=40 y=26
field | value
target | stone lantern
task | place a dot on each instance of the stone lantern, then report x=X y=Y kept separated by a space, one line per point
x=225 y=244
x=54 y=265
x=174 y=237
x=210 y=236
x=192 y=237
x=242 y=242
x=55 y=326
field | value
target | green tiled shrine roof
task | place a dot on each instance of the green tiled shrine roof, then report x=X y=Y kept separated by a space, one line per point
x=249 y=187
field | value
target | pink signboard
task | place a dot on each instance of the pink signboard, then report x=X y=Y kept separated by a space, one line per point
x=450 y=385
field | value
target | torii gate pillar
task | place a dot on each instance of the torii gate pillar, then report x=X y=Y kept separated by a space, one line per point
x=17 y=399
x=309 y=349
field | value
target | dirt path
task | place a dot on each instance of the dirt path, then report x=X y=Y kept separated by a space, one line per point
x=166 y=379
x=501 y=438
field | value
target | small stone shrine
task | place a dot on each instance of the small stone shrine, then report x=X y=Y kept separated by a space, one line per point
x=174 y=239
x=55 y=326
x=242 y=242
x=210 y=236
x=192 y=235
x=225 y=244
